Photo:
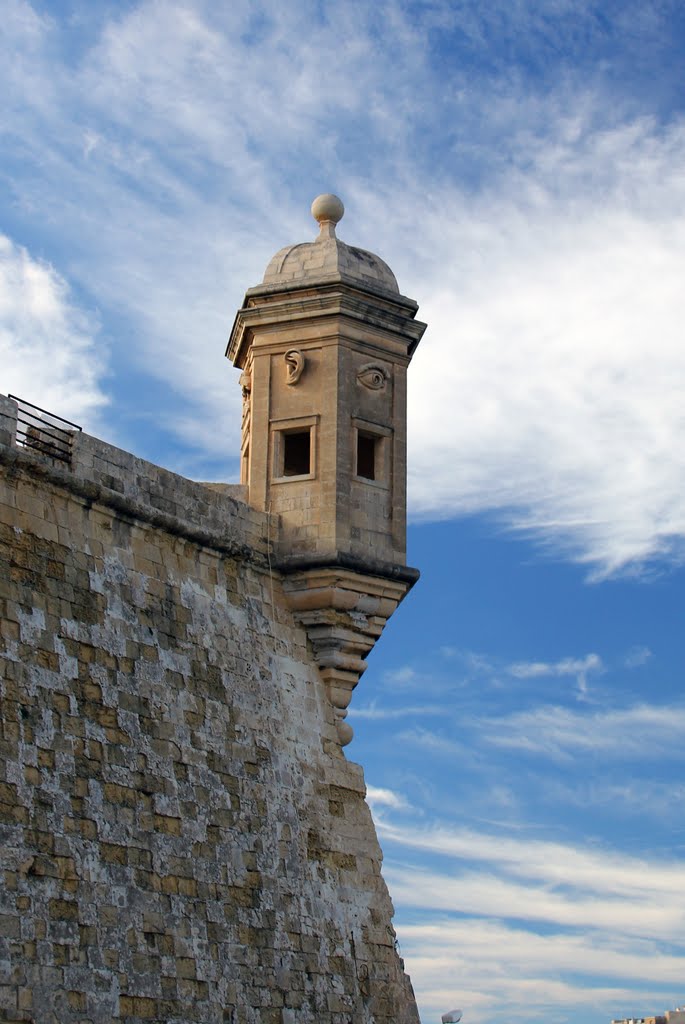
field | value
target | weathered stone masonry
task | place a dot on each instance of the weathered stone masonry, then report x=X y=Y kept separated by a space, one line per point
x=181 y=837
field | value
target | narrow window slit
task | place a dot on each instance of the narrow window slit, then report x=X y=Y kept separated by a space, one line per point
x=366 y=455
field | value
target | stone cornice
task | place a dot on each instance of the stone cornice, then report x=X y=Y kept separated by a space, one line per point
x=354 y=563
x=264 y=309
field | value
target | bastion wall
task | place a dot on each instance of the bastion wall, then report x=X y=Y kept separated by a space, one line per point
x=181 y=836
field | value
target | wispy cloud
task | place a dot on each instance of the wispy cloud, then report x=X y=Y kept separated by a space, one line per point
x=478 y=893
x=636 y=799
x=603 y=872
x=564 y=667
x=566 y=305
x=498 y=917
x=579 y=668
x=637 y=657
x=440 y=745
x=489 y=966
x=642 y=731
x=379 y=713
x=404 y=676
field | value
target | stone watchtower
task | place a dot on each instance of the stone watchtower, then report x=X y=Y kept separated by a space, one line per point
x=324 y=344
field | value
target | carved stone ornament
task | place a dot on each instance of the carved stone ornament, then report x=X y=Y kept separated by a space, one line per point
x=246 y=383
x=372 y=376
x=295 y=362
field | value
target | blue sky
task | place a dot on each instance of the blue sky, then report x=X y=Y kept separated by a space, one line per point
x=520 y=167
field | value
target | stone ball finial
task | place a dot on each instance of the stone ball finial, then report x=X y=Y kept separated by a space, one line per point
x=327 y=207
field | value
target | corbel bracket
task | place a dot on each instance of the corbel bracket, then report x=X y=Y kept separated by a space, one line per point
x=343 y=612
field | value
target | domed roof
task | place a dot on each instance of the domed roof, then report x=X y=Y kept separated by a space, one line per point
x=327 y=258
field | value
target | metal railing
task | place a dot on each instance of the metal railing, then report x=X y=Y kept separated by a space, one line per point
x=43 y=431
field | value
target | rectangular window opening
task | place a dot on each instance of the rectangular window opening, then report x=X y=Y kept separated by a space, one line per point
x=297 y=453
x=366 y=455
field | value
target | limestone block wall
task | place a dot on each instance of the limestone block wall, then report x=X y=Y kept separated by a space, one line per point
x=181 y=838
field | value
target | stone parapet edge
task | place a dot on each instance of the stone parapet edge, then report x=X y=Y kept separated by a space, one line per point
x=93 y=493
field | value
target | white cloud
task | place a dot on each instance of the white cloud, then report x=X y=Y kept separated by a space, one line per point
x=374 y=712
x=481 y=893
x=643 y=731
x=403 y=676
x=379 y=797
x=501 y=972
x=554 y=353
x=603 y=872
x=524 y=927
x=579 y=668
x=48 y=350
x=564 y=667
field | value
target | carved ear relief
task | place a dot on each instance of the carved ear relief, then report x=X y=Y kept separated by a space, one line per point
x=295 y=363
x=372 y=376
x=246 y=383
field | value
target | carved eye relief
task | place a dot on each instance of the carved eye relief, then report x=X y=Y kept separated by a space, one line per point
x=294 y=363
x=372 y=376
